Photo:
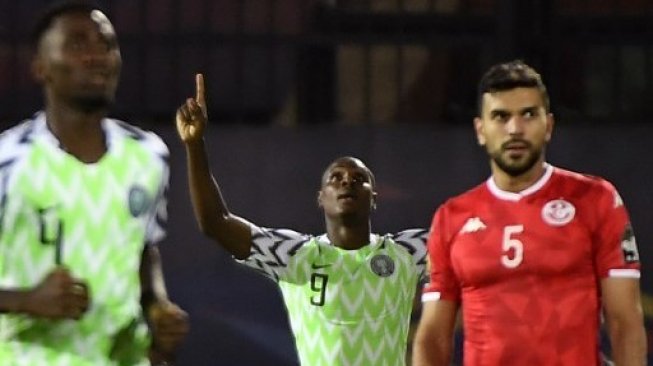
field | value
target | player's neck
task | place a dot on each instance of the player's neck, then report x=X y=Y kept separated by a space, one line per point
x=348 y=237
x=509 y=183
x=79 y=133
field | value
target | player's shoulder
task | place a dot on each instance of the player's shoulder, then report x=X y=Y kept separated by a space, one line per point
x=409 y=236
x=279 y=234
x=581 y=182
x=275 y=237
x=16 y=140
x=148 y=140
x=413 y=240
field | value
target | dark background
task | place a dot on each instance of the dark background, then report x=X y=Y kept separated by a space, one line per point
x=293 y=84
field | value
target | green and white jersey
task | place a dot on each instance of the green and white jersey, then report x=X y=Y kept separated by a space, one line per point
x=346 y=307
x=93 y=218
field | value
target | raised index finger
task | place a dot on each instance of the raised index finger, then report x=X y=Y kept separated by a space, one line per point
x=199 y=84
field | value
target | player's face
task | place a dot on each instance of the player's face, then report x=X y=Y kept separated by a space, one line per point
x=78 y=60
x=514 y=128
x=347 y=188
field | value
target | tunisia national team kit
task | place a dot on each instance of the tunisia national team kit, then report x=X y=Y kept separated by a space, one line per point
x=526 y=267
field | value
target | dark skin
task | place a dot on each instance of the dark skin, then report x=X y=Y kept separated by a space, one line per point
x=78 y=64
x=347 y=198
x=346 y=195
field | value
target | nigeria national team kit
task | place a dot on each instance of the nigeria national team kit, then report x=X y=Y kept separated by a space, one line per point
x=526 y=267
x=346 y=307
x=92 y=218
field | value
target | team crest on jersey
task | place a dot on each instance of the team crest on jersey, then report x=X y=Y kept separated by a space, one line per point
x=629 y=245
x=139 y=200
x=382 y=265
x=558 y=212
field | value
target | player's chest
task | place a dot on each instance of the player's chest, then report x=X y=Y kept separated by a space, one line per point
x=50 y=190
x=547 y=238
x=348 y=288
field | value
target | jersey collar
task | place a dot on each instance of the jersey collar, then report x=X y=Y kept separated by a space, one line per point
x=42 y=131
x=324 y=239
x=516 y=196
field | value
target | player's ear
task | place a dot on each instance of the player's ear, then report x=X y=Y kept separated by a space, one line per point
x=478 y=127
x=319 y=199
x=374 y=198
x=550 y=122
x=38 y=69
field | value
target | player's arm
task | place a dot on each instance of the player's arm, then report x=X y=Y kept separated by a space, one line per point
x=617 y=264
x=58 y=296
x=623 y=315
x=211 y=211
x=433 y=343
x=168 y=323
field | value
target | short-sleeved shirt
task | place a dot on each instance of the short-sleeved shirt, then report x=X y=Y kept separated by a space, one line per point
x=346 y=307
x=93 y=218
x=527 y=267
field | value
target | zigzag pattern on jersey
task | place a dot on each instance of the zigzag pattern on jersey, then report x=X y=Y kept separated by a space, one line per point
x=414 y=241
x=22 y=354
x=364 y=317
x=272 y=248
x=101 y=244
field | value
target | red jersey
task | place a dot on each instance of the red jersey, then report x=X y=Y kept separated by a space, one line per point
x=526 y=267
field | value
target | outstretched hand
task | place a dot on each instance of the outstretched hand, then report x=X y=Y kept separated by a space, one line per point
x=192 y=116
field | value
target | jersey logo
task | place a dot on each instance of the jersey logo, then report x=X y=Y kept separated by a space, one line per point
x=139 y=200
x=629 y=245
x=558 y=212
x=473 y=225
x=382 y=265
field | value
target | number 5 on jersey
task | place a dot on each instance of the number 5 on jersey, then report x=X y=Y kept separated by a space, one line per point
x=513 y=248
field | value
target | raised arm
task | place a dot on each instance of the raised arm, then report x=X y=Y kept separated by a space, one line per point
x=211 y=211
x=623 y=316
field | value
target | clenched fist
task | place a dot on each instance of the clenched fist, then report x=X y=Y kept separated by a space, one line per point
x=58 y=296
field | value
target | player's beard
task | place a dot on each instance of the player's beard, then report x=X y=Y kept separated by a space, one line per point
x=512 y=167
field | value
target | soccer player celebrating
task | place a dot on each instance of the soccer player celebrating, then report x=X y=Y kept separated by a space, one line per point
x=535 y=255
x=81 y=202
x=349 y=293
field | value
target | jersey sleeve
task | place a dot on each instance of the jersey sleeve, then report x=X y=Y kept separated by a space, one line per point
x=443 y=283
x=155 y=230
x=272 y=250
x=14 y=146
x=414 y=241
x=615 y=253
x=4 y=186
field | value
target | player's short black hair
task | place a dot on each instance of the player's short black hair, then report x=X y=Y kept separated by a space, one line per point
x=510 y=75
x=350 y=159
x=53 y=11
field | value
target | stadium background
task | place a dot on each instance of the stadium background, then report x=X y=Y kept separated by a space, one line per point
x=293 y=84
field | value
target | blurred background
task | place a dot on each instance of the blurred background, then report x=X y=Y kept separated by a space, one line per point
x=293 y=84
